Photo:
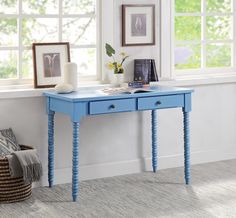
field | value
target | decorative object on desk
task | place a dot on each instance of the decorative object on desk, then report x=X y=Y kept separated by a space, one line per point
x=145 y=71
x=124 y=90
x=138 y=25
x=71 y=75
x=116 y=66
x=64 y=88
x=154 y=75
x=49 y=60
x=117 y=79
x=135 y=84
x=142 y=70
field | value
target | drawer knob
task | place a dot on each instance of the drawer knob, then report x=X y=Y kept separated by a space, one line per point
x=112 y=106
x=158 y=103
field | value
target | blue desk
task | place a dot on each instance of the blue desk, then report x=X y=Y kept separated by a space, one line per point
x=91 y=102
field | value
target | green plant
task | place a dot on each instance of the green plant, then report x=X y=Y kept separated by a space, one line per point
x=116 y=66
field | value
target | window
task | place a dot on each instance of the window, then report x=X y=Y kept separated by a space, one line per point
x=23 y=22
x=203 y=36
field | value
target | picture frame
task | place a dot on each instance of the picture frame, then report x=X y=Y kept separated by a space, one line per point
x=48 y=62
x=138 y=25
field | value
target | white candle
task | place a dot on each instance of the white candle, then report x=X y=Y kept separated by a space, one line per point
x=70 y=74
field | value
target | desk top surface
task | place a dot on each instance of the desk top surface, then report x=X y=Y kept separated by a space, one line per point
x=94 y=94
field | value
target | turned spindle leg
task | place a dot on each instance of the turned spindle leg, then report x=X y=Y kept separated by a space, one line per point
x=50 y=147
x=75 y=171
x=154 y=140
x=186 y=147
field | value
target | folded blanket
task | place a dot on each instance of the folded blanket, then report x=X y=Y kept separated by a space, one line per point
x=25 y=163
x=14 y=166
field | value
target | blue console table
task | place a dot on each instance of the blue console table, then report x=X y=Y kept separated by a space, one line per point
x=91 y=102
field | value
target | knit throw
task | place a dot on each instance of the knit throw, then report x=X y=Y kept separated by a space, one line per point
x=25 y=163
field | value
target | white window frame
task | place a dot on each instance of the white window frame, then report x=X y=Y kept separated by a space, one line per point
x=20 y=48
x=167 y=16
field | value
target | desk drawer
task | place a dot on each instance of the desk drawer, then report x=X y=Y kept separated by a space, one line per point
x=160 y=102
x=112 y=106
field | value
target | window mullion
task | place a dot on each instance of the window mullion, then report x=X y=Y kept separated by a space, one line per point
x=196 y=14
x=167 y=40
x=213 y=47
x=195 y=42
x=20 y=49
x=20 y=52
x=234 y=35
x=98 y=39
x=204 y=28
x=60 y=21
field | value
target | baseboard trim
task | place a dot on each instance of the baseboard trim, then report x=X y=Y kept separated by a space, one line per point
x=96 y=171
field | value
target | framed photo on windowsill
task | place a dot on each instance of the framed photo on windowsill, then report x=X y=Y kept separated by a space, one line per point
x=49 y=60
x=138 y=25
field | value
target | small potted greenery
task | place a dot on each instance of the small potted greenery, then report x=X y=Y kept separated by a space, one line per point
x=116 y=66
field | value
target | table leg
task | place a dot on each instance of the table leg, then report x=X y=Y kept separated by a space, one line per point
x=50 y=147
x=186 y=148
x=154 y=140
x=75 y=171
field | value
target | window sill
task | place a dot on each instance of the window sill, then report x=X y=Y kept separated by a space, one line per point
x=27 y=91
x=199 y=80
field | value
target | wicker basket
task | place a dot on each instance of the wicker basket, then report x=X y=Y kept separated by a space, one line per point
x=12 y=189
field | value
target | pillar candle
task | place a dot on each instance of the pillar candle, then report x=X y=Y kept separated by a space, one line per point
x=70 y=74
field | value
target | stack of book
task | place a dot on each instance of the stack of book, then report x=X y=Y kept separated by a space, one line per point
x=145 y=71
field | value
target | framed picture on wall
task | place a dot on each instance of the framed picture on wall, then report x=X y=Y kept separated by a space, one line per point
x=49 y=60
x=138 y=25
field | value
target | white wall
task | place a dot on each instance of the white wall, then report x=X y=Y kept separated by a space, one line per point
x=112 y=24
x=120 y=143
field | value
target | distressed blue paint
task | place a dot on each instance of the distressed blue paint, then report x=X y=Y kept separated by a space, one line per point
x=48 y=105
x=154 y=140
x=61 y=106
x=94 y=95
x=112 y=106
x=89 y=102
x=186 y=147
x=187 y=102
x=160 y=102
x=50 y=147
x=79 y=110
x=75 y=175
x=75 y=111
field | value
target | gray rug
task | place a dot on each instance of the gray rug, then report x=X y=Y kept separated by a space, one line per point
x=144 y=195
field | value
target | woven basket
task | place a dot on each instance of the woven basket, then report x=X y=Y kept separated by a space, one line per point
x=12 y=189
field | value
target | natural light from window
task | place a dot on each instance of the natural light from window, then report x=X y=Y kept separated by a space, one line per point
x=23 y=22
x=203 y=33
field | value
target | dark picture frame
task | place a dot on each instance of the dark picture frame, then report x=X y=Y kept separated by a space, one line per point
x=48 y=62
x=138 y=24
